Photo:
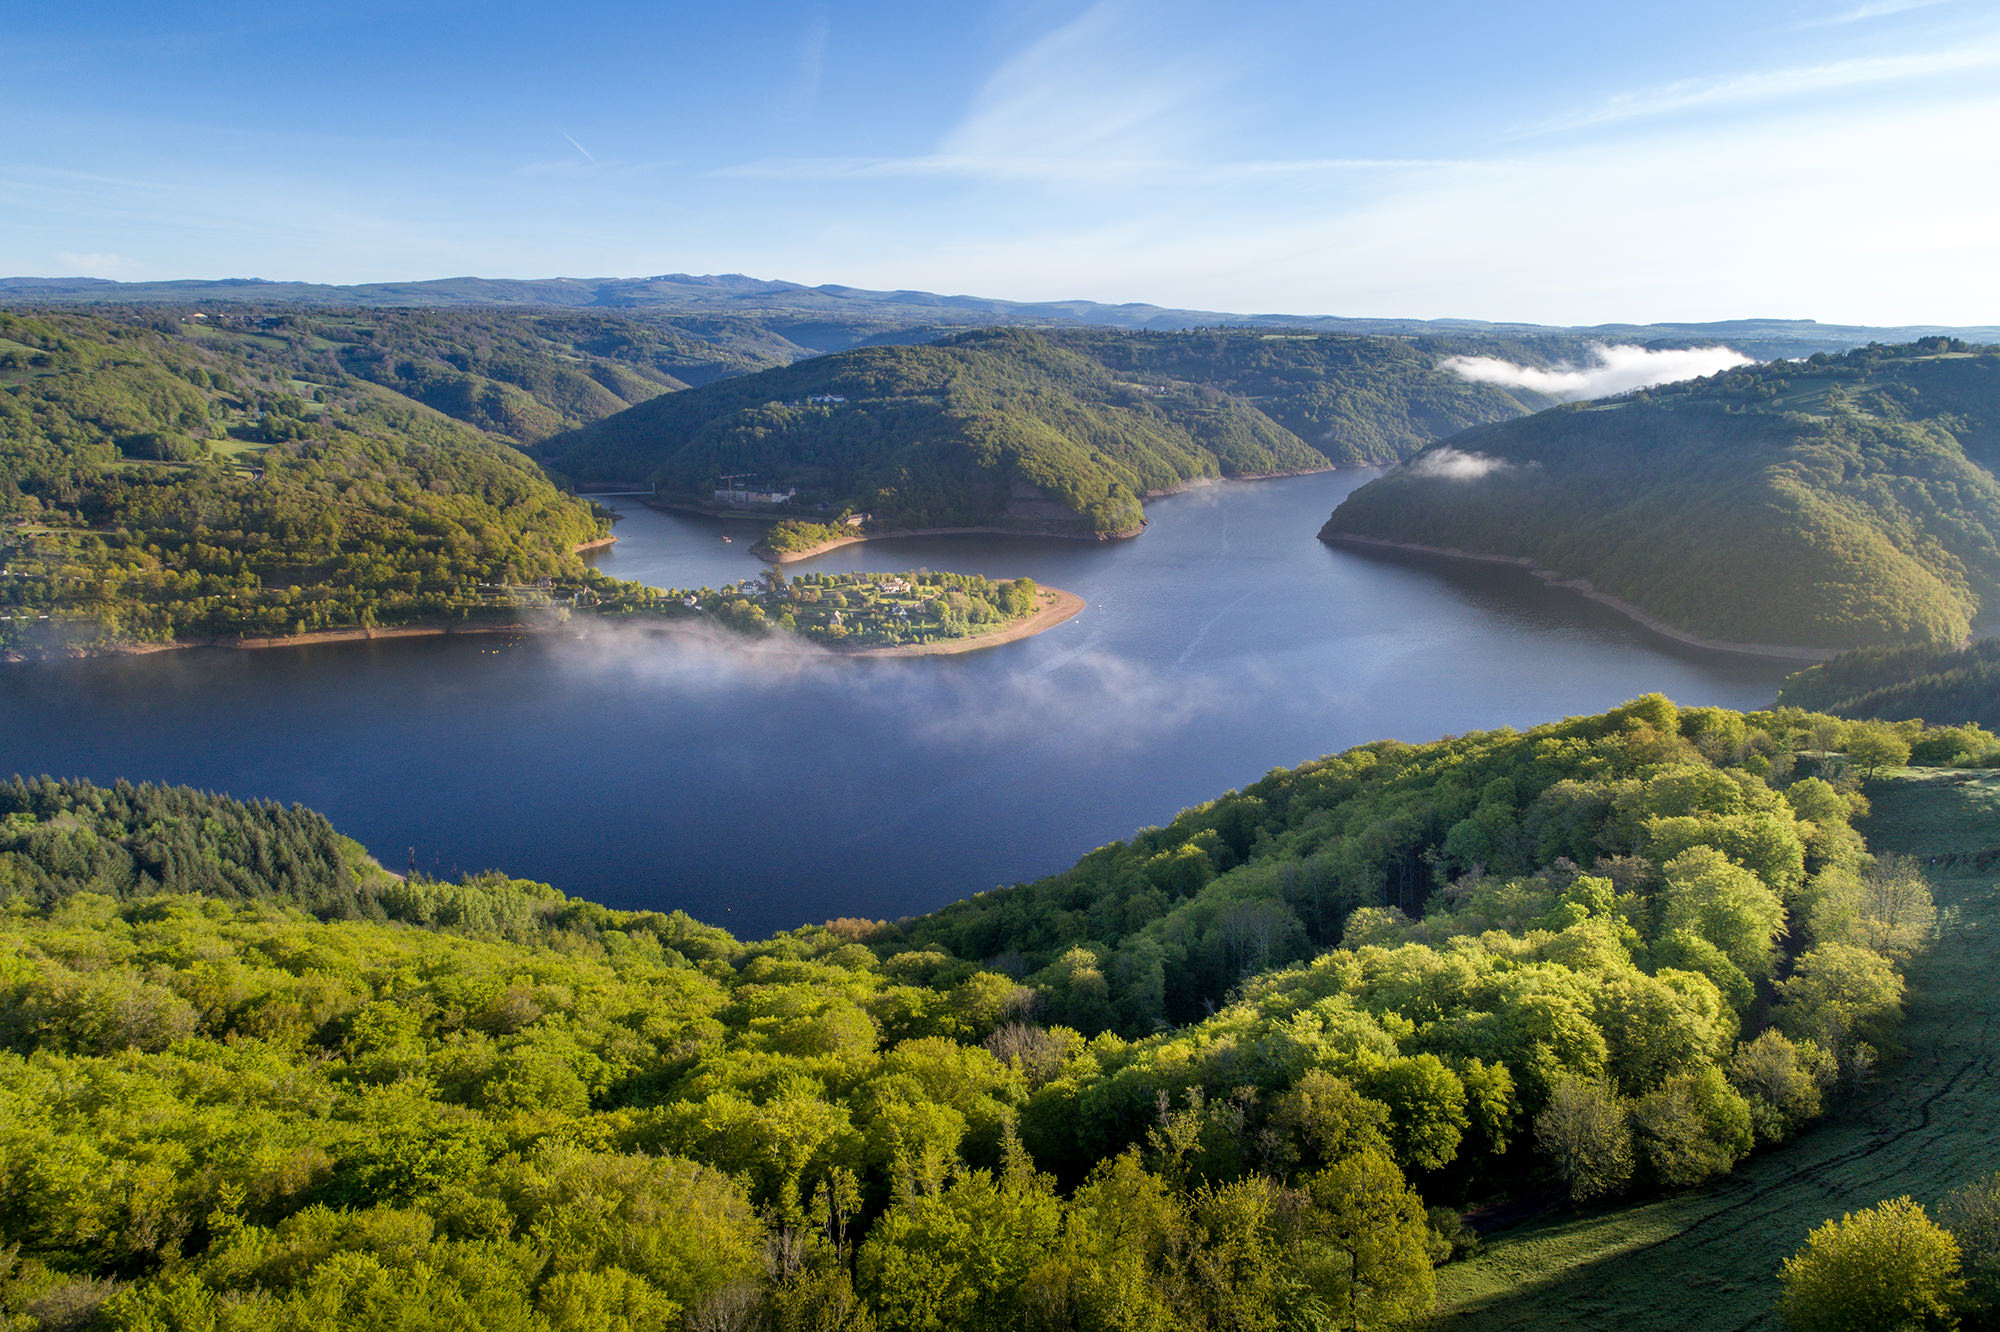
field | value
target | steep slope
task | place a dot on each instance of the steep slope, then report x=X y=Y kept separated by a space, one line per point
x=160 y=485
x=1940 y=685
x=1844 y=502
x=990 y=429
x=1358 y=400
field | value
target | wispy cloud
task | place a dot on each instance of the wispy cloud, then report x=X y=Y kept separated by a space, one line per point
x=579 y=147
x=813 y=42
x=1108 y=96
x=1873 y=10
x=1069 y=169
x=1778 y=85
x=1612 y=369
x=1449 y=464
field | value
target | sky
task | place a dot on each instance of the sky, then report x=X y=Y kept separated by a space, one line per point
x=1548 y=162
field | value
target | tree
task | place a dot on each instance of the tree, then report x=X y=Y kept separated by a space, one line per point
x=1723 y=903
x=1582 y=1132
x=1843 y=998
x=1972 y=1215
x=1875 y=745
x=1426 y=1104
x=1379 y=1238
x=1691 y=1128
x=1781 y=1081
x=1886 y=1267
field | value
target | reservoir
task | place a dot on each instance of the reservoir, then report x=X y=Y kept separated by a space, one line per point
x=763 y=788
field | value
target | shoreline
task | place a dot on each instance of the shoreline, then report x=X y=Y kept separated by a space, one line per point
x=1061 y=606
x=769 y=556
x=1646 y=619
x=261 y=642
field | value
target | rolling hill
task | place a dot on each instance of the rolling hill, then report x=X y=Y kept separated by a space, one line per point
x=1846 y=501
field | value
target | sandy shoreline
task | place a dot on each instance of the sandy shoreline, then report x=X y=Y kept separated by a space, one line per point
x=1784 y=651
x=1058 y=606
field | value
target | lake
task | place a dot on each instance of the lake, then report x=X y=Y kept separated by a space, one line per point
x=761 y=789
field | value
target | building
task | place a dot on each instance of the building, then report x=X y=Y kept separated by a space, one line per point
x=744 y=496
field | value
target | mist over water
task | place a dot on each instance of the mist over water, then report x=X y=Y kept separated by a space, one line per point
x=761 y=786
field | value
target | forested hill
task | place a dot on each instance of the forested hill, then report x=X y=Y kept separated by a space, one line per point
x=1846 y=501
x=250 y=1080
x=997 y=428
x=1939 y=685
x=1358 y=400
x=169 y=480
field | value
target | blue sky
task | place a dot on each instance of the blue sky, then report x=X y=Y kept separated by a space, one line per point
x=1832 y=159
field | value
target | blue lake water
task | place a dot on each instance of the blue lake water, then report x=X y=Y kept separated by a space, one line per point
x=760 y=789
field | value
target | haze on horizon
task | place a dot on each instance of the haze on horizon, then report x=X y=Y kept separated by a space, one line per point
x=1556 y=162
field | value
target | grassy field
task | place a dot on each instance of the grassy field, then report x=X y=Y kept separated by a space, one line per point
x=1930 y=1122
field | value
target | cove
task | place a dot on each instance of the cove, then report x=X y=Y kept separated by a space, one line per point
x=762 y=789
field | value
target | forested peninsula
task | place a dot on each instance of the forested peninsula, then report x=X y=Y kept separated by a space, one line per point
x=1841 y=502
x=1051 y=432
x=1245 y=1070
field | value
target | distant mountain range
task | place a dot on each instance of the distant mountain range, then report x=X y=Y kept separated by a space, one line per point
x=858 y=309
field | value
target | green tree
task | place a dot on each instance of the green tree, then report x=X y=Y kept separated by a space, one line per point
x=1377 y=1272
x=1583 y=1134
x=1886 y=1267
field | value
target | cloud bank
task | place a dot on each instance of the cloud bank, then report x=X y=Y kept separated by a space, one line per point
x=1618 y=368
x=1449 y=464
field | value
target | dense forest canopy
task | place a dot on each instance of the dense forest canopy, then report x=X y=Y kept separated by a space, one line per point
x=1845 y=501
x=250 y=1079
x=1939 y=685
x=161 y=483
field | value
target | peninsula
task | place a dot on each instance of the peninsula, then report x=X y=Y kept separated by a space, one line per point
x=1798 y=508
x=860 y=614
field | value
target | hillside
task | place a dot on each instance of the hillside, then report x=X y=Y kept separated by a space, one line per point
x=1939 y=685
x=1358 y=400
x=1843 y=502
x=252 y=1080
x=1924 y=1128
x=171 y=483
x=991 y=429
